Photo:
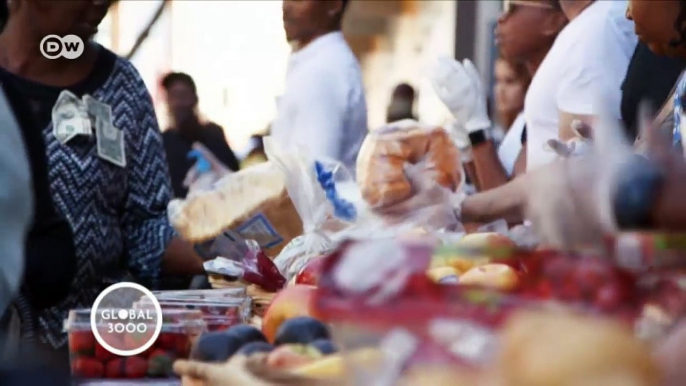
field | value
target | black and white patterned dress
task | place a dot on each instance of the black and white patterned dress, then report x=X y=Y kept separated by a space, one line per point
x=118 y=215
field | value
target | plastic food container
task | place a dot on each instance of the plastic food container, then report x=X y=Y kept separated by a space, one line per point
x=226 y=307
x=90 y=360
x=238 y=292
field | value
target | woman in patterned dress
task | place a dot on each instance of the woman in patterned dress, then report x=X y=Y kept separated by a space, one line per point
x=113 y=196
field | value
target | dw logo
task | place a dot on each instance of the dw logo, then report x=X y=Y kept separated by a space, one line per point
x=55 y=47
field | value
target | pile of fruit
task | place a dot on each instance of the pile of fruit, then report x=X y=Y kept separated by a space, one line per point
x=300 y=344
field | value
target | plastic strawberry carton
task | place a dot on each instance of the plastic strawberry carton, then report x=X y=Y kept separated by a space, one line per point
x=91 y=360
x=224 y=306
x=238 y=292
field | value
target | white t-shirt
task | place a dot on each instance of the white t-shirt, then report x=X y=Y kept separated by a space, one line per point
x=323 y=109
x=590 y=58
x=511 y=145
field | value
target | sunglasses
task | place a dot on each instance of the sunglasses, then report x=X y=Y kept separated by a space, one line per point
x=510 y=6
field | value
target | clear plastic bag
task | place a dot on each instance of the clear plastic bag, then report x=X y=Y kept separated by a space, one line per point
x=310 y=201
x=409 y=178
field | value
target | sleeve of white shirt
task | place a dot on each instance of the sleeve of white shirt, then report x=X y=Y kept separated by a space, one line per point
x=321 y=114
x=580 y=84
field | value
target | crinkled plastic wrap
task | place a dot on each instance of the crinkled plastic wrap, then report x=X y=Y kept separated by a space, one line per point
x=409 y=182
x=399 y=161
x=253 y=203
x=316 y=212
x=376 y=292
x=246 y=261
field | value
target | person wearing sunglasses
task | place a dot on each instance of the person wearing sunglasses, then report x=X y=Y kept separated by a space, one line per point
x=590 y=57
x=518 y=43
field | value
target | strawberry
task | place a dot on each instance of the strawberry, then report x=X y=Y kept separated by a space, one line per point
x=81 y=343
x=166 y=341
x=115 y=368
x=87 y=368
x=182 y=346
x=136 y=367
x=160 y=364
x=102 y=354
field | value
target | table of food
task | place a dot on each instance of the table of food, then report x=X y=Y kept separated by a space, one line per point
x=325 y=277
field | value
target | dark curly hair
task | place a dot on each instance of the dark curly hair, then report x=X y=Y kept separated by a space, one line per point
x=680 y=26
x=178 y=77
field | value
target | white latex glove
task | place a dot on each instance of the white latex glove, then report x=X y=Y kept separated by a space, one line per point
x=197 y=179
x=459 y=87
x=579 y=145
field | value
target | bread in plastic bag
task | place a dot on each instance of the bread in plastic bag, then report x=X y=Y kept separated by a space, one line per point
x=310 y=202
x=253 y=202
x=388 y=152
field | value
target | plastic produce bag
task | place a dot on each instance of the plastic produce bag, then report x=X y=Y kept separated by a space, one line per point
x=253 y=203
x=310 y=201
x=409 y=177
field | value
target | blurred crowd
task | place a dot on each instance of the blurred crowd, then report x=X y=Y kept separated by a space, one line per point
x=97 y=219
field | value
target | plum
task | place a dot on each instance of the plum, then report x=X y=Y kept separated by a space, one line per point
x=301 y=330
x=247 y=333
x=216 y=346
x=324 y=346
x=255 y=347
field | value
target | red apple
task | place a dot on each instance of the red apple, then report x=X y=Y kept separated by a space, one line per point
x=289 y=303
x=609 y=297
x=309 y=274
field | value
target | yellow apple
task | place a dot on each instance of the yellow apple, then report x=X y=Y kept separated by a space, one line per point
x=497 y=276
x=441 y=273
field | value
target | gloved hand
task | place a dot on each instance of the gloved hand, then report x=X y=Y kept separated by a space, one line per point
x=459 y=87
x=206 y=171
x=579 y=145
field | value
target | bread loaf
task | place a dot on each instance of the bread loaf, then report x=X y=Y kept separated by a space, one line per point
x=385 y=153
x=253 y=203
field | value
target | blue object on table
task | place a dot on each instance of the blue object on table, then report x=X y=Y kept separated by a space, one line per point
x=201 y=163
x=342 y=209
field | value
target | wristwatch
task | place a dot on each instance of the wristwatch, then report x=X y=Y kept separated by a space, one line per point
x=478 y=137
x=639 y=183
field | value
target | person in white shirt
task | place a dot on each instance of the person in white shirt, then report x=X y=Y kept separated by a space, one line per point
x=323 y=109
x=589 y=58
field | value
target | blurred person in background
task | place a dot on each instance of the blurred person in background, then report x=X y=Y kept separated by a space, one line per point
x=650 y=77
x=512 y=79
x=402 y=104
x=115 y=201
x=589 y=58
x=323 y=109
x=518 y=43
x=187 y=129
